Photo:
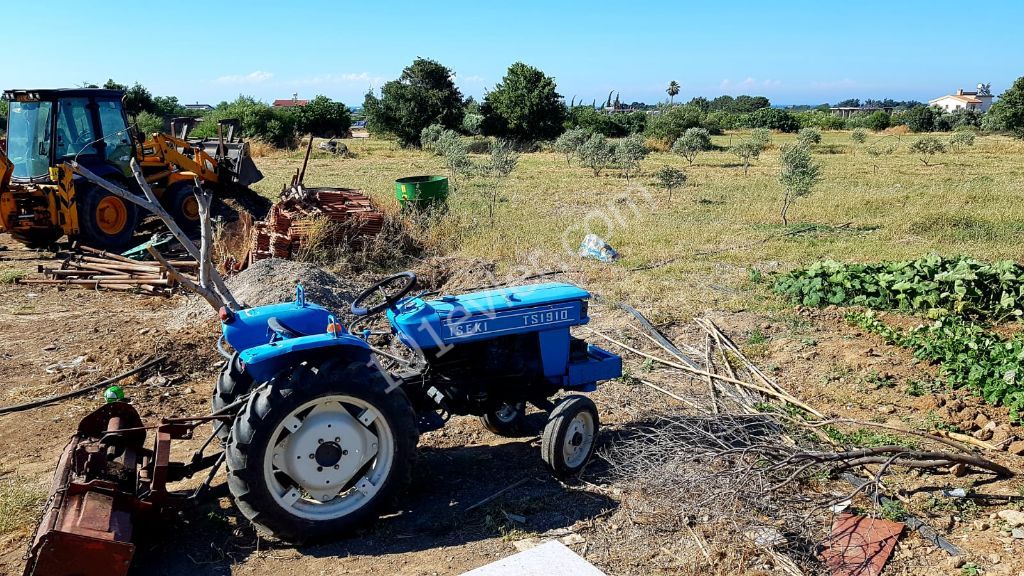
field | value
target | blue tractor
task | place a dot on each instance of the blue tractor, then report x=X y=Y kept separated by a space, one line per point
x=326 y=439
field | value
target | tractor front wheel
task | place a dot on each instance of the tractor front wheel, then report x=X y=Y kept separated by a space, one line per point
x=321 y=450
x=570 y=435
x=508 y=421
x=106 y=221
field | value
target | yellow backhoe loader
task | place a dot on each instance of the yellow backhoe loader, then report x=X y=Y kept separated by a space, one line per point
x=42 y=199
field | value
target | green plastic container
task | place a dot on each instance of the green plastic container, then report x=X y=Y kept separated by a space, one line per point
x=421 y=190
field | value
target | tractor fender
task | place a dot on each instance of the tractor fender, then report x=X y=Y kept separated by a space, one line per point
x=264 y=361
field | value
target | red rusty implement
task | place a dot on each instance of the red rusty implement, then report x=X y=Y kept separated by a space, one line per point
x=859 y=546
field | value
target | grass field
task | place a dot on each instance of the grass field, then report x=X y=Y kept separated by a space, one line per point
x=723 y=224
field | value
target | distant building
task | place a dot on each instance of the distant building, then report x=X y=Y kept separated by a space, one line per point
x=198 y=107
x=979 y=100
x=847 y=111
x=293 y=102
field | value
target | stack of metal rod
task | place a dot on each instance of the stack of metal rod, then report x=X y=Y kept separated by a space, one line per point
x=91 y=268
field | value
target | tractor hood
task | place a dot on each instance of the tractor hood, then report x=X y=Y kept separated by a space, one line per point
x=489 y=314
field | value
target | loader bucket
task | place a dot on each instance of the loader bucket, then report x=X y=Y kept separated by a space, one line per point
x=86 y=528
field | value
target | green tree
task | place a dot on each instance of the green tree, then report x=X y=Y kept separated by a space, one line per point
x=859 y=135
x=258 y=119
x=524 y=106
x=453 y=149
x=798 y=176
x=168 y=107
x=672 y=121
x=927 y=146
x=629 y=153
x=673 y=91
x=137 y=99
x=809 y=136
x=429 y=137
x=762 y=137
x=323 y=117
x=148 y=123
x=670 y=178
x=918 y=118
x=1008 y=112
x=773 y=119
x=878 y=121
x=746 y=151
x=570 y=141
x=504 y=160
x=596 y=153
x=692 y=142
x=424 y=94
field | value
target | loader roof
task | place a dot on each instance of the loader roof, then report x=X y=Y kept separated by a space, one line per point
x=55 y=93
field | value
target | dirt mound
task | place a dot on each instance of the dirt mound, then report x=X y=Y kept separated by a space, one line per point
x=273 y=281
x=452 y=274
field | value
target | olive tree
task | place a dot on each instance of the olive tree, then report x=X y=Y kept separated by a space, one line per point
x=859 y=135
x=596 y=153
x=504 y=160
x=453 y=149
x=746 y=151
x=691 y=143
x=798 y=176
x=961 y=140
x=927 y=146
x=629 y=153
x=808 y=136
x=670 y=178
x=762 y=137
x=570 y=141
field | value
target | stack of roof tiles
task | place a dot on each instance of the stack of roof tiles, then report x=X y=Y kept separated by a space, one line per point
x=290 y=221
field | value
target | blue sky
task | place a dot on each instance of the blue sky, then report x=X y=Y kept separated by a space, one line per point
x=793 y=52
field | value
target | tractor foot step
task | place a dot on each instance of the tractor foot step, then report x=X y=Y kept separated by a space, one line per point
x=430 y=421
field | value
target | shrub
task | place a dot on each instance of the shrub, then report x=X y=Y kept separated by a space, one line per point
x=149 y=123
x=877 y=121
x=452 y=148
x=423 y=94
x=671 y=122
x=746 y=151
x=859 y=135
x=961 y=140
x=798 y=176
x=927 y=146
x=323 y=117
x=809 y=136
x=773 y=119
x=670 y=178
x=570 y=141
x=691 y=143
x=259 y=120
x=596 y=153
x=523 y=107
x=720 y=120
x=471 y=123
x=629 y=153
x=762 y=137
x=917 y=118
x=821 y=119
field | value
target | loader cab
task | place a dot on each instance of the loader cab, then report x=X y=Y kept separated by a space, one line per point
x=48 y=127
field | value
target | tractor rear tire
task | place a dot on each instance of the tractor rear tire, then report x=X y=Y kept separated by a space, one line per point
x=180 y=201
x=332 y=491
x=106 y=221
x=232 y=383
x=508 y=421
x=570 y=435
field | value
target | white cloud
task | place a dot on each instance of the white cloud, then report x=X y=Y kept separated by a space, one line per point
x=257 y=77
x=748 y=83
x=339 y=79
x=474 y=79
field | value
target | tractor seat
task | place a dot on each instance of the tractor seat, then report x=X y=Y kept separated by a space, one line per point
x=283 y=329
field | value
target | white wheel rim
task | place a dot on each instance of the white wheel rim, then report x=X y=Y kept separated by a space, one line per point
x=578 y=439
x=329 y=457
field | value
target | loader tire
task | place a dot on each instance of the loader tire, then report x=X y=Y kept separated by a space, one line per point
x=106 y=221
x=348 y=453
x=509 y=421
x=180 y=201
x=232 y=383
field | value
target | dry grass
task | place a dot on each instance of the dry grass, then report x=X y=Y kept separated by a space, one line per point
x=715 y=227
x=20 y=504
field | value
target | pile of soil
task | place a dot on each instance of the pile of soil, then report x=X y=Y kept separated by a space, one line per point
x=273 y=281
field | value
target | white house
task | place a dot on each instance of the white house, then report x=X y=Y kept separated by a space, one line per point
x=979 y=100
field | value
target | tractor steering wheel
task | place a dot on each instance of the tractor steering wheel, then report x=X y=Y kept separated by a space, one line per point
x=402 y=283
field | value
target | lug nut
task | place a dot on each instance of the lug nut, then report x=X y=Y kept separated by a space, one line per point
x=311 y=456
x=337 y=466
x=344 y=452
x=337 y=439
x=319 y=468
x=320 y=441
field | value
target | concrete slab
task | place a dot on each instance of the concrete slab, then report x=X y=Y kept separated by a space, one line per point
x=549 y=559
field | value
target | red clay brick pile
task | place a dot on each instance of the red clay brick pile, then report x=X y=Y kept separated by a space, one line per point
x=288 y=225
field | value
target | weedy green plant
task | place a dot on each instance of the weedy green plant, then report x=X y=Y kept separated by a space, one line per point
x=927 y=147
x=746 y=151
x=670 y=178
x=798 y=176
x=11 y=275
x=691 y=143
x=893 y=511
